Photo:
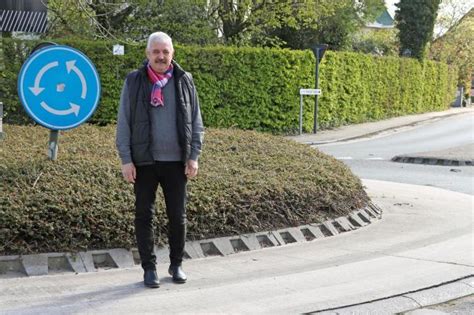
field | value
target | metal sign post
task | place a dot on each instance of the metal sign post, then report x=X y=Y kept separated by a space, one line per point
x=1 y=120
x=59 y=88
x=118 y=50
x=318 y=51
x=315 y=126
x=306 y=92
x=53 y=145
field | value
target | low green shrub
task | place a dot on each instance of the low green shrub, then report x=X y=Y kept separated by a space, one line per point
x=247 y=182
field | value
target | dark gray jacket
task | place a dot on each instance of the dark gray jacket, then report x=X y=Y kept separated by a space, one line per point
x=188 y=117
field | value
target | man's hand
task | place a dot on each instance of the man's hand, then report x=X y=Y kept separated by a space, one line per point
x=191 y=168
x=129 y=172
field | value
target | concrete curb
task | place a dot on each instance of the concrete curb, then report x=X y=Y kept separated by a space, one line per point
x=97 y=260
x=409 y=301
x=431 y=161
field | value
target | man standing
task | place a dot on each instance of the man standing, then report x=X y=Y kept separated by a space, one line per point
x=159 y=138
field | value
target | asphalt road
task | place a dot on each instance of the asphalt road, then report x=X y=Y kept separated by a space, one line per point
x=371 y=158
x=450 y=137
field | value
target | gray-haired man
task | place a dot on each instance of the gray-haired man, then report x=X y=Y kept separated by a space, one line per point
x=159 y=138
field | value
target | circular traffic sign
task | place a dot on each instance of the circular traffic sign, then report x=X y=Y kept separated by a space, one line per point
x=59 y=87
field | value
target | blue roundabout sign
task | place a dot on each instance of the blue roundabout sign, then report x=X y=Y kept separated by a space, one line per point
x=59 y=87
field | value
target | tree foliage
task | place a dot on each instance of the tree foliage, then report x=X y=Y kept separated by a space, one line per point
x=67 y=18
x=450 y=13
x=348 y=18
x=415 y=20
x=291 y=24
x=187 y=21
x=265 y=23
x=380 y=42
x=455 y=48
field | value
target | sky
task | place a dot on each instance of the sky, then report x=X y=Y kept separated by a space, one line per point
x=463 y=7
x=466 y=6
x=390 y=4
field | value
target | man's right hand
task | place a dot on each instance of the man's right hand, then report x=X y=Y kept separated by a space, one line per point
x=129 y=172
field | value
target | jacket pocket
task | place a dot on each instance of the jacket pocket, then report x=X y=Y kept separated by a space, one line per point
x=140 y=133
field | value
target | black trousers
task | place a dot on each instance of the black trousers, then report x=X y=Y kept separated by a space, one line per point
x=171 y=177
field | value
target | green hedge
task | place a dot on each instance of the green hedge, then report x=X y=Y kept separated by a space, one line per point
x=254 y=88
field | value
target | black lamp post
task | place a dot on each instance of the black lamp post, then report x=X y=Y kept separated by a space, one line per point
x=318 y=51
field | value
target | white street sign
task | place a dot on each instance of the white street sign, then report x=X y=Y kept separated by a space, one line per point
x=310 y=91
x=118 y=50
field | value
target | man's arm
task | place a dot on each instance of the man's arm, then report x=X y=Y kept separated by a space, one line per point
x=197 y=126
x=122 y=137
x=197 y=136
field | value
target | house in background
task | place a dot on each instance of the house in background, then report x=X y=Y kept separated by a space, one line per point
x=378 y=37
x=384 y=21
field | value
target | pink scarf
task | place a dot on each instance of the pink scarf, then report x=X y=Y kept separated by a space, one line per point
x=159 y=81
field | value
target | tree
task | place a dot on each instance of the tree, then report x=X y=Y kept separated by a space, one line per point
x=186 y=21
x=335 y=29
x=415 y=21
x=245 y=22
x=455 y=48
x=331 y=22
x=450 y=12
x=305 y=23
x=382 y=42
x=66 y=18
x=89 y=19
x=293 y=24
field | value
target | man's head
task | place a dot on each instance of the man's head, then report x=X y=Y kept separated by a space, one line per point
x=159 y=51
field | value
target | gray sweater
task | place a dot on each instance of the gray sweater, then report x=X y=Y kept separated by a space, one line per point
x=165 y=144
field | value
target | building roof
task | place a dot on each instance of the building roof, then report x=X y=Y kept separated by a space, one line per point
x=385 y=20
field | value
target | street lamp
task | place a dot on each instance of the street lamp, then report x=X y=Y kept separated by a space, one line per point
x=318 y=51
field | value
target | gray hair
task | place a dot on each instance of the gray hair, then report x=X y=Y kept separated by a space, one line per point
x=159 y=37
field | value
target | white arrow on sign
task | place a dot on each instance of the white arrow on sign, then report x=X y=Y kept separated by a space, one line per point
x=74 y=109
x=37 y=89
x=71 y=65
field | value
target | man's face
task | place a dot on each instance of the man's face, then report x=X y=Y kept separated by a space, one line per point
x=160 y=55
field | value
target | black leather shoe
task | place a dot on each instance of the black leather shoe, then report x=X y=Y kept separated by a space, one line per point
x=151 y=279
x=177 y=273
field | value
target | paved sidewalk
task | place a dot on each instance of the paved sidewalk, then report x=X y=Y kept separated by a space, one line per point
x=396 y=124
x=423 y=241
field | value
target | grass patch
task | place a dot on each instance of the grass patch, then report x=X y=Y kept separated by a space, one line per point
x=247 y=182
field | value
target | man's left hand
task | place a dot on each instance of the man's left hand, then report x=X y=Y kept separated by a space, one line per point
x=191 y=168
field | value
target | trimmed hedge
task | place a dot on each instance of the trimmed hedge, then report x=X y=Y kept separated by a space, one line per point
x=358 y=88
x=248 y=182
x=255 y=88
